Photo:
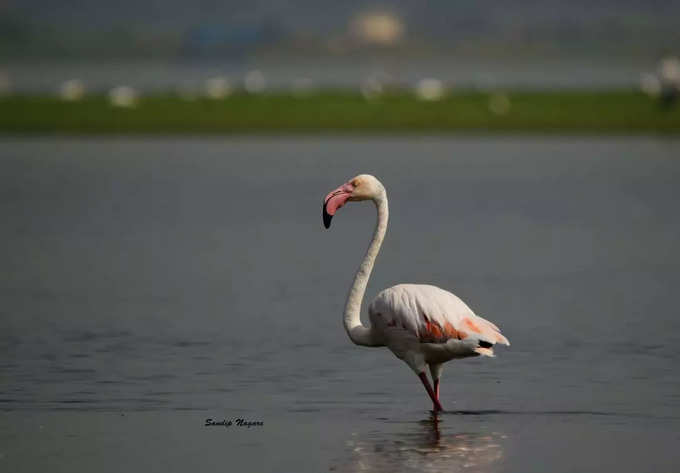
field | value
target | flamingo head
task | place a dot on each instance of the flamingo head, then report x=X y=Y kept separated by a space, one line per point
x=361 y=187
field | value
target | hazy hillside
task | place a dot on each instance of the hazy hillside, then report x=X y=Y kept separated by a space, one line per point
x=170 y=27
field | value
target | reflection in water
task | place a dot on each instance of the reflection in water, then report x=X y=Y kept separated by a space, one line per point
x=423 y=448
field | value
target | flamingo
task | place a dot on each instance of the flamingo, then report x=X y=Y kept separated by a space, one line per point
x=422 y=325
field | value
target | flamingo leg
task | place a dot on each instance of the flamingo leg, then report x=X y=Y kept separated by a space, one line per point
x=436 y=372
x=435 y=401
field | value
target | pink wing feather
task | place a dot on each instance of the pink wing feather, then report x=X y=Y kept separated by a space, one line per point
x=432 y=314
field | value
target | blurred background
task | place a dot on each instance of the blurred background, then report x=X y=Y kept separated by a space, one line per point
x=162 y=169
x=178 y=45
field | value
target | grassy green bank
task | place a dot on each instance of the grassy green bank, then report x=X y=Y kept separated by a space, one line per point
x=532 y=112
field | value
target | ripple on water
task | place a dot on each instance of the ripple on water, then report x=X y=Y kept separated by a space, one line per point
x=422 y=447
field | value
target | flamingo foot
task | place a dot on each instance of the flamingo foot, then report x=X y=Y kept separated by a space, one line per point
x=435 y=401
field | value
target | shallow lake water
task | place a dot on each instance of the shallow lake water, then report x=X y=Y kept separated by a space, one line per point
x=151 y=284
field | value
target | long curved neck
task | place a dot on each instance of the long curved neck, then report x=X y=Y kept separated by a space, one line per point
x=357 y=332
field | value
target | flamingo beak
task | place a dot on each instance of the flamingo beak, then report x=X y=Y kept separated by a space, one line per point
x=326 y=217
x=334 y=201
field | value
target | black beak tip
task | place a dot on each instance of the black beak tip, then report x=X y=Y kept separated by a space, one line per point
x=326 y=217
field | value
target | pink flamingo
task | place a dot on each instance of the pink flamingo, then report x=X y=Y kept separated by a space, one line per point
x=421 y=324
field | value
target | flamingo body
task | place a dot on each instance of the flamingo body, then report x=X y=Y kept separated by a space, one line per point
x=423 y=324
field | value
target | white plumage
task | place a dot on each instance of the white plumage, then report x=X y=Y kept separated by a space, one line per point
x=424 y=324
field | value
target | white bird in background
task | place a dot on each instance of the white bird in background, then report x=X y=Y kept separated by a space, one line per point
x=422 y=325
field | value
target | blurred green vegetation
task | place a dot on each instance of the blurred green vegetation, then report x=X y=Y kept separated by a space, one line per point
x=334 y=111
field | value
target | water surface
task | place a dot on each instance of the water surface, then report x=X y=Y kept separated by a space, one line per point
x=460 y=72
x=150 y=284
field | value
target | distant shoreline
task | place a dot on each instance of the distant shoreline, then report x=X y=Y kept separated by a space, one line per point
x=344 y=112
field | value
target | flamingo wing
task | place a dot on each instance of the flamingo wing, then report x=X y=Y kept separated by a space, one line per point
x=433 y=315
